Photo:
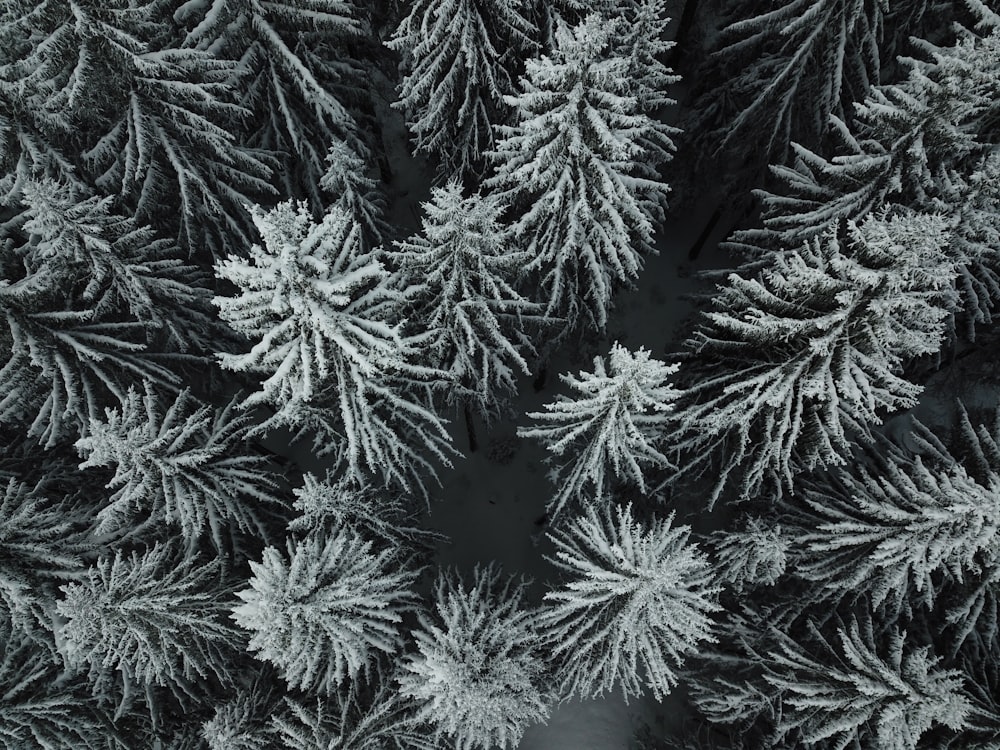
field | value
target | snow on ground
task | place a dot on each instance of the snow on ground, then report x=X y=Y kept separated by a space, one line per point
x=601 y=724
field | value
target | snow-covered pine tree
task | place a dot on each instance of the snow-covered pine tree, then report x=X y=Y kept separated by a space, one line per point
x=477 y=675
x=35 y=138
x=855 y=690
x=147 y=122
x=612 y=429
x=77 y=247
x=296 y=73
x=859 y=684
x=779 y=71
x=755 y=555
x=184 y=464
x=637 y=601
x=357 y=195
x=800 y=357
x=925 y=143
x=242 y=723
x=324 y=337
x=61 y=365
x=42 y=542
x=641 y=40
x=894 y=527
x=569 y=170
x=42 y=706
x=359 y=716
x=378 y=514
x=458 y=58
x=325 y=609
x=140 y=620
x=460 y=276
x=169 y=150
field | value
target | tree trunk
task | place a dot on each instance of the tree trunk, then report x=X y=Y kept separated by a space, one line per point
x=683 y=30
x=699 y=243
x=470 y=429
x=539 y=384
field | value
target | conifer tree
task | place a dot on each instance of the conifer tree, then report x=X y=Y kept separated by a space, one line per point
x=859 y=684
x=460 y=275
x=896 y=528
x=568 y=169
x=357 y=195
x=186 y=465
x=778 y=72
x=458 y=57
x=356 y=717
x=324 y=335
x=42 y=542
x=925 y=143
x=60 y=365
x=376 y=513
x=756 y=555
x=322 y=612
x=616 y=419
x=641 y=40
x=297 y=76
x=77 y=247
x=851 y=689
x=146 y=619
x=477 y=675
x=42 y=706
x=637 y=600
x=799 y=358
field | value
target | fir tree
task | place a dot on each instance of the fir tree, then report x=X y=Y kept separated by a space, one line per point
x=171 y=141
x=77 y=246
x=297 y=75
x=894 y=527
x=146 y=619
x=568 y=168
x=853 y=690
x=806 y=354
x=357 y=195
x=458 y=56
x=477 y=675
x=756 y=555
x=616 y=420
x=924 y=143
x=638 y=599
x=837 y=685
x=59 y=367
x=460 y=275
x=185 y=465
x=322 y=612
x=42 y=707
x=356 y=717
x=642 y=29
x=779 y=71
x=323 y=332
x=42 y=542
x=379 y=515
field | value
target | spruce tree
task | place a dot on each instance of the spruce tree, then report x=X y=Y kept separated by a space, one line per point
x=458 y=57
x=613 y=428
x=477 y=675
x=637 y=600
x=460 y=275
x=325 y=336
x=568 y=168
x=806 y=354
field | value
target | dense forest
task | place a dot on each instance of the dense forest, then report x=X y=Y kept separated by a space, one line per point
x=273 y=269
